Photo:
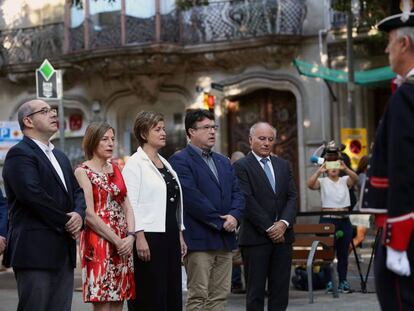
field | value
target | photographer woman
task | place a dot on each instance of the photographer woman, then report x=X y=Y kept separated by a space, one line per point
x=335 y=197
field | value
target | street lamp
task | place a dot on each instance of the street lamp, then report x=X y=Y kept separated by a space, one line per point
x=353 y=10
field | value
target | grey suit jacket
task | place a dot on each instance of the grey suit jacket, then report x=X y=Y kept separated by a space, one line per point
x=263 y=206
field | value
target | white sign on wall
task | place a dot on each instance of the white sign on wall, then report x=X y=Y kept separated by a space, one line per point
x=10 y=135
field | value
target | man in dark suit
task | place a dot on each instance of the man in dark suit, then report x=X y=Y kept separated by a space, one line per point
x=266 y=235
x=213 y=206
x=3 y=222
x=47 y=209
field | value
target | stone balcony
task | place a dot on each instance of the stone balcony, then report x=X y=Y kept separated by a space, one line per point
x=220 y=26
x=28 y=45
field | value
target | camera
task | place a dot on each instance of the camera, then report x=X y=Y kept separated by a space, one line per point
x=331 y=154
x=333 y=165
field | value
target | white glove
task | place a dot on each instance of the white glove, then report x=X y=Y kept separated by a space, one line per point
x=398 y=262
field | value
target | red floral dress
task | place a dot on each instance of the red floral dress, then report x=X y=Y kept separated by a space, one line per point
x=106 y=276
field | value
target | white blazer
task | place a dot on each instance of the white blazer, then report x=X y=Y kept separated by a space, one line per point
x=147 y=192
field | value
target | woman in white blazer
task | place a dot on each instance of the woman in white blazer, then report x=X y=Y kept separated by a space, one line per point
x=156 y=198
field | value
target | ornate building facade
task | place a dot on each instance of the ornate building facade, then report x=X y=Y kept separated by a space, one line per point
x=123 y=56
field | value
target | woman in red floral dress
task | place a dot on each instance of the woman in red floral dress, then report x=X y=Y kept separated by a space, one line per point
x=107 y=241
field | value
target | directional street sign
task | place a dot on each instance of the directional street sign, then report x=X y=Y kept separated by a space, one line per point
x=49 y=87
x=48 y=82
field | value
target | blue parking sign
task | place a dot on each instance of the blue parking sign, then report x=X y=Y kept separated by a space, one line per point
x=10 y=135
x=4 y=133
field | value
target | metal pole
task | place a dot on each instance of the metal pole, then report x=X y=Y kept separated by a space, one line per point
x=351 y=78
x=67 y=23
x=123 y=23
x=157 y=21
x=61 y=111
x=61 y=126
x=86 y=25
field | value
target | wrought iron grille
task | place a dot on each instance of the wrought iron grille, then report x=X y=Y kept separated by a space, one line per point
x=33 y=44
x=292 y=14
x=234 y=20
x=105 y=30
x=140 y=30
x=220 y=21
x=170 y=31
x=76 y=38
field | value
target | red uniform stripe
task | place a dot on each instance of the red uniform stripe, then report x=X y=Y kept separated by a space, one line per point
x=379 y=182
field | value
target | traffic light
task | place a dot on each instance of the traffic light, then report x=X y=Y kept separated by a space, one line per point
x=208 y=101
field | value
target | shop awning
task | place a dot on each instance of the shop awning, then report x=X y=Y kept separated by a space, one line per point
x=339 y=76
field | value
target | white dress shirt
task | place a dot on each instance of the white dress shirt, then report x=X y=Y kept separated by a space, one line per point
x=258 y=158
x=400 y=80
x=47 y=149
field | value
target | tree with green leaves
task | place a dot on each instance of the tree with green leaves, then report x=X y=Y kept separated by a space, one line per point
x=370 y=12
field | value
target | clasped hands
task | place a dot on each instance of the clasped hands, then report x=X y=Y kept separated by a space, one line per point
x=230 y=223
x=74 y=224
x=276 y=232
x=124 y=246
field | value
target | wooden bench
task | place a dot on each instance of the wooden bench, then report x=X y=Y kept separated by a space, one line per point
x=314 y=245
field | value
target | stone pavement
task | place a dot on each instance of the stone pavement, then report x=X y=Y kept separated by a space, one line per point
x=298 y=299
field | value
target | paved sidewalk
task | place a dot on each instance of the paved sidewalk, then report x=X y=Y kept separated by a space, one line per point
x=298 y=299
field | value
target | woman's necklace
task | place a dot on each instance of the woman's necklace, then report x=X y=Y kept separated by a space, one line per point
x=100 y=169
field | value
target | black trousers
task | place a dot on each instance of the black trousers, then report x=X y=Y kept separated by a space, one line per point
x=271 y=262
x=46 y=290
x=341 y=245
x=395 y=293
x=158 y=282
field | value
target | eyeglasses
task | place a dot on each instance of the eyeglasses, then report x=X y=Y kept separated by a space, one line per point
x=43 y=111
x=207 y=127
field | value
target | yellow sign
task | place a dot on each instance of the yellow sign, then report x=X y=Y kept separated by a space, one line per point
x=356 y=144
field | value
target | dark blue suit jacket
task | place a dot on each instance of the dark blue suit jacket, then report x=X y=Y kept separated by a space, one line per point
x=38 y=203
x=3 y=215
x=206 y=199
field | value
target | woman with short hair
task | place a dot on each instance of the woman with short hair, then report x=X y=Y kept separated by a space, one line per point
x=156 y=199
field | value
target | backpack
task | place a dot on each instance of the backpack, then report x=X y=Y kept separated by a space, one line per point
x=300 y=279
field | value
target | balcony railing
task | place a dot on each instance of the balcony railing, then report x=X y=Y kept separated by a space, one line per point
x=26 y=45
x=223 y=21
x=220 y=21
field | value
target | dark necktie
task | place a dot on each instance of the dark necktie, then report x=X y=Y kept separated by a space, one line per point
x=206 y=153
x=268 y=173
x=207 y=156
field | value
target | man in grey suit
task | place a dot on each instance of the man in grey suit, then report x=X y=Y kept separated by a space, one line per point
x=266 y=234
